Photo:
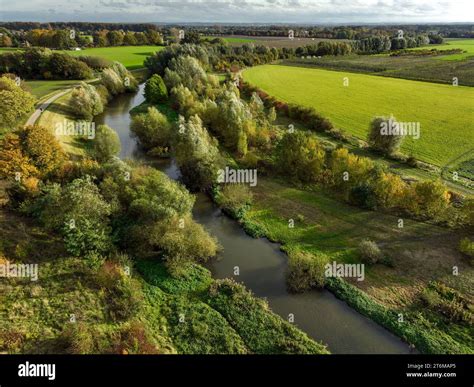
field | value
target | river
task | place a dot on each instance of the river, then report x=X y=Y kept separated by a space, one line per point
x=262 y=265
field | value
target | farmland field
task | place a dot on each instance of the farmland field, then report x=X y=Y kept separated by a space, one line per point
x=132 y=57
x=232 y=39
x=464 y=44
x=444 y=112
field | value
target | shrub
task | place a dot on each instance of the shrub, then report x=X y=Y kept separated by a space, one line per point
x=124 y=298
x=300 y=156
x=78 y=339
x=369 y=252
x=183 y=239
x=305 y=270
x=106 y=143
x=152 y=129
x=112 y=81
x=466 y=246
x=234 y=198
x=363 y=195
x=134 y=338
x=155 y=90
x=96 y=62
x=79 y=212
x=30 y=151
x=380 y=137
x=16 y=103
x=86 y=101
x=428 y=199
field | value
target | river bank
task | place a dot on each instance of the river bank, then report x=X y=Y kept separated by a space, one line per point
x=263 y=266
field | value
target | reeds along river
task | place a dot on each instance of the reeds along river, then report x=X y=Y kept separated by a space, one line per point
x=262 y=266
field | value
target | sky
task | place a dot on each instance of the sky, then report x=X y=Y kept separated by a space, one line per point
x=240 y=11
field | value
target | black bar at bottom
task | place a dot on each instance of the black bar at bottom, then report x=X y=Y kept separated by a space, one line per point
x=135 y=370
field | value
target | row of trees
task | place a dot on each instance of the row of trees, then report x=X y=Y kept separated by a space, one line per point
x=37 y=63
x=357 y=179
x=106 y=38
x=237 y=125
x=63 y=39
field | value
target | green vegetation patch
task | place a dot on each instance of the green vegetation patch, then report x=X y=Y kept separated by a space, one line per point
x=443 y=112
x=467 y=45
x=132 y=57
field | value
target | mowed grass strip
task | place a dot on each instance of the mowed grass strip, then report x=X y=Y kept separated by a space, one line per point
x=132 y=57
x=466 y=45
x=445 y=112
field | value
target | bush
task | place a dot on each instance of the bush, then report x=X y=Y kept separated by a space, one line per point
x=183 y=240
x=96 y=62
x=363 y=195
x=79 y=212
x=152 y=129
x=106 y=143
x=16 y=103
x=305 y=271
x=380 y=137
x=86 y=101
x=234 y=198
x=466 y=246
x=155 y=90
x=134 y=338
x=124 y=296
x=78 y=339
x=30 y=151
x=112 y=81
x=300 y=156
x=369 y=252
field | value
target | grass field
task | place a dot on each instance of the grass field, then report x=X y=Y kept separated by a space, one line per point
x=232 y=39
x=464 y=44
x=58 y=112
x=444 y=112
x=42 y=88
x=418 y=253
x=132 y=57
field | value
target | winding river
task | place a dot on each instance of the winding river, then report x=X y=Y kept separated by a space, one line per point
x=262 y=265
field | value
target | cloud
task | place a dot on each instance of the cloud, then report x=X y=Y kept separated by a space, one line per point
x=269 y=11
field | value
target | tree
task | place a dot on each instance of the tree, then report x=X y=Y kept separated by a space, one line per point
x=390 y=190
x=86 y=101
x=385 y=135
x=129 y=39
x=152 y=129
x=115 y=38
x=197 y=154
x=300 y=156
x=79 y=212
x=16 y=103
x=349 y=170
x=155 y=90
x=42 y=147
x=30 y=151
x=191 y=37
x=429 y=198
x=106 y=143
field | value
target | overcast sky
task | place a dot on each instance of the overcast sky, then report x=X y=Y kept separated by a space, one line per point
x=250 y=11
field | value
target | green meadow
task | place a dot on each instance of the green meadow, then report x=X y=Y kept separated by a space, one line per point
x=132 y=57
x=232 y=39
x=466 y=45
x=445 y=112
